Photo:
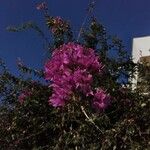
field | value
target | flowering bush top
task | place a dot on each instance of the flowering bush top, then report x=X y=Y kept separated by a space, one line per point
x=71 y=69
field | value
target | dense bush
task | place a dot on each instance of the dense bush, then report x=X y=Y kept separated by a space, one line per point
x=87 y=83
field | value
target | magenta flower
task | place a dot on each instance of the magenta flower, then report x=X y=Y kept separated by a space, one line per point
x=101 y=99
x=58 y=20
x=58 y=25
x=56 y=101
x=41 y=6
x=23 y=96
x=71 y=69
x=82 y=81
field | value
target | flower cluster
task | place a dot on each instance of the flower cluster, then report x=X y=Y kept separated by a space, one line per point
x=101 y=99
x=23 y=96
x=71 y=69
x=57 y=25
x=41 y=6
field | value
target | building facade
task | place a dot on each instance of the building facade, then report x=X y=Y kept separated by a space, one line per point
x=141 y=55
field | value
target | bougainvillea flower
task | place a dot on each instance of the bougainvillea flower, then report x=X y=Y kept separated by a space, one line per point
x=101 y=99
x=23 y=96
x=41 y=6
x=71 y=69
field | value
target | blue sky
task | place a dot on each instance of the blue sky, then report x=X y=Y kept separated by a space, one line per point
x=124 y=18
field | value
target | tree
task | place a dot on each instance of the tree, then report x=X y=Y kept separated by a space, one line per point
x=98 y=109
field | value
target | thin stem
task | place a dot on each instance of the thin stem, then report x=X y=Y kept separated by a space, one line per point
x=89 y=119
x=90 y=9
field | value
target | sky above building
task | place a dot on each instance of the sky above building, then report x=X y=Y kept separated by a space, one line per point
x=125 y=18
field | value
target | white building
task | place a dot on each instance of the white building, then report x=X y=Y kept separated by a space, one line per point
x=140 y=51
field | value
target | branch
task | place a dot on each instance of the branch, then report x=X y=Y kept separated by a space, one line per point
x=90 y=120
x=90 y=9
